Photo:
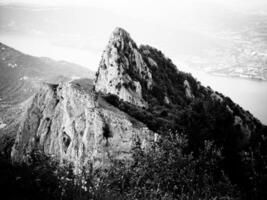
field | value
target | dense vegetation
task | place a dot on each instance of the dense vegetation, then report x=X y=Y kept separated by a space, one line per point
x=167 y=80
x=168 y=170
x=165 y=171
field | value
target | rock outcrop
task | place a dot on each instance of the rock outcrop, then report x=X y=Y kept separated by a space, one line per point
x=188 y=90
x=76 y=125
x=121 y=67
x=137 y=93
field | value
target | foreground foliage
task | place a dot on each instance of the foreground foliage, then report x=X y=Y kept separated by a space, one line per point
x=165 y=171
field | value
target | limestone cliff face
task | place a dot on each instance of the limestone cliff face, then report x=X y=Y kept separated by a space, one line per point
x=121 y=67
x=76 y=125
x=75 y=122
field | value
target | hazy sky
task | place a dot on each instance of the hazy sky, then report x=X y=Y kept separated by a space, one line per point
x=159 y=11
x=114 y=3
x=146 y=7
x=165 y=24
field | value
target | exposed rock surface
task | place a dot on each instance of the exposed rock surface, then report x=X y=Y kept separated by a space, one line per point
x=188 y=90
x=121 y=67
x=75 y=121
x=75 y=125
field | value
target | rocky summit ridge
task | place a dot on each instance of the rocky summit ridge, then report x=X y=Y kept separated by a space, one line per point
x=121 y=63
x=137 y=95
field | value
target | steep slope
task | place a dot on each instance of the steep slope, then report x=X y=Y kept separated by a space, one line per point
x=120 y=69
x=146 y=85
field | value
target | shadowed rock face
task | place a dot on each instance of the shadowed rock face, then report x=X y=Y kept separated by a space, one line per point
x=75 y=125
x=121 y=67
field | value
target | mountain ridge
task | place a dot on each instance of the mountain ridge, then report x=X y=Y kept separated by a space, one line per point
x=158 y=88
x=137 y=85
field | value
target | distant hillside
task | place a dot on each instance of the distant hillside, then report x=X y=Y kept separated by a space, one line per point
x=21 y=72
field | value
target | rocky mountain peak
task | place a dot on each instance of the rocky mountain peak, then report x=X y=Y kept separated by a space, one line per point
x=98 y=124
x=122 y=69
x=120 y=34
